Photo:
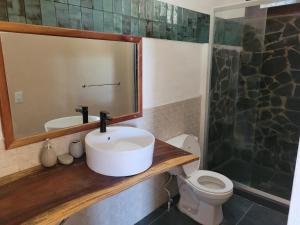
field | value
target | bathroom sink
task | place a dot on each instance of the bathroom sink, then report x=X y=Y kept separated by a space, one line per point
x=67 y=122
x=120 y=151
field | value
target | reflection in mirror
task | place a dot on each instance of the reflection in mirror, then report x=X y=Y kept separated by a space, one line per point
x=57 y=82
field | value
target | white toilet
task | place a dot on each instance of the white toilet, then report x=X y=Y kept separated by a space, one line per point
x=202 y=192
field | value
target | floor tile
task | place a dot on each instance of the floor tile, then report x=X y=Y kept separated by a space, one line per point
x=174 y=217
x=153 y=216
x=260 y=215
x=237 y=211
x=234 y=209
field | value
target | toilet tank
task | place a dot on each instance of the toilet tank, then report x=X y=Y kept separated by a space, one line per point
x=190 y=144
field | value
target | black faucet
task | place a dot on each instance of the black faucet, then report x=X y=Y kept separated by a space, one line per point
x=84 y=110
x=103 y=119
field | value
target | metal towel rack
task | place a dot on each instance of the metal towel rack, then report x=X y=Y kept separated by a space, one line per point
x=100 y=85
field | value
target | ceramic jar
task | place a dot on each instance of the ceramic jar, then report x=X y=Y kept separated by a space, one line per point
x=76 y=148
x=48 y=156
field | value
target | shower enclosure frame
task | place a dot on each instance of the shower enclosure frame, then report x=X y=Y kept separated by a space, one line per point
x=237 y=185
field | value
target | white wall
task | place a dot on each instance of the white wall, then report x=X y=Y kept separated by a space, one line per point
x=174 y=71
x=294 y=217
x=171 y=71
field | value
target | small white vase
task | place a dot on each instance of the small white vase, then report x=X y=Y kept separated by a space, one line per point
x=76 y=149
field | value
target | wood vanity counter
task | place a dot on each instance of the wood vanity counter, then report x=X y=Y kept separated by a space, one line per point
x=47 y=196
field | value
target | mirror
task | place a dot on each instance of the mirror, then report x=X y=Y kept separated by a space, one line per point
x=59 y=82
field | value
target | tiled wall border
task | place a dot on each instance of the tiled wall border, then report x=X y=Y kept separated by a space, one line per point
x=146 y=18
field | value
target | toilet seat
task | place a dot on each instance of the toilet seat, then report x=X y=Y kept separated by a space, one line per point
x=210 y=182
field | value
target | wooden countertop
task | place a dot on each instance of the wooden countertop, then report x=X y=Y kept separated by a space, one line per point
x=47 y=196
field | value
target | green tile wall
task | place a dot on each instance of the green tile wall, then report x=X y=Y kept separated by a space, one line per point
x=3 y=10
x=146 y=18
x=228 y=32
x=75 y=16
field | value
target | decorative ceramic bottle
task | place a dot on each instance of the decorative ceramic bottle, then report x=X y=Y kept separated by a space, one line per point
x=76 y=148
x=48 y=156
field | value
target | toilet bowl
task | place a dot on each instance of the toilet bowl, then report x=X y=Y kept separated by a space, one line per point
x=202 y=192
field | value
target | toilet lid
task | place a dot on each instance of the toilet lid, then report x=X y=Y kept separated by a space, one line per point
x=211 y=182
x=191 y=145
x=190 y=168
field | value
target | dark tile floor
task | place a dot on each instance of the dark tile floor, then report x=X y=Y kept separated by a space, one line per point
x=237 y=211
x=259 y=177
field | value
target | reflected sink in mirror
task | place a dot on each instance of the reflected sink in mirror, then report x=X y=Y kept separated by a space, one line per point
x=74 y=71
x=121 y=151
x=65 y=122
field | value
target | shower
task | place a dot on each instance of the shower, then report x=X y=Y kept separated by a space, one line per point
x=254 y=97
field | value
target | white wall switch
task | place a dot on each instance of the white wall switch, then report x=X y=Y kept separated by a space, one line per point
x=19 y=97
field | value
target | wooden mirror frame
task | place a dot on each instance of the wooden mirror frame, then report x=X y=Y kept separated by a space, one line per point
x=5 y=111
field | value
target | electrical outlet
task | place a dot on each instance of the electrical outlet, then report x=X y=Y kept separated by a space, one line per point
x=19 y=98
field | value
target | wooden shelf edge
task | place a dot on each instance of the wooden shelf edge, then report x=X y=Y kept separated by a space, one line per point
x=57 y=214
x=18 y=175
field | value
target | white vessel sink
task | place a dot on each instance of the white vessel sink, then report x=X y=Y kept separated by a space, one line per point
x=64 y=122
x=121 y=151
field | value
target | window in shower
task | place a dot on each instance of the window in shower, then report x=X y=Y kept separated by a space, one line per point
x=254 y=101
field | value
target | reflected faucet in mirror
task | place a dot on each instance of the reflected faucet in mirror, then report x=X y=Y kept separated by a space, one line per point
x=101 y=64
x=104 y=117
x=84 y=110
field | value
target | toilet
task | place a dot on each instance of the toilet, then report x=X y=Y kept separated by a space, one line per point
x=202 y=192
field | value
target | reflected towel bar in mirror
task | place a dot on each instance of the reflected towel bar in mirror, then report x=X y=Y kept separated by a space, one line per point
x=97 y=59
x=100 y=85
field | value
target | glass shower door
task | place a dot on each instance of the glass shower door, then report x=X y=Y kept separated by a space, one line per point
x=254 y=102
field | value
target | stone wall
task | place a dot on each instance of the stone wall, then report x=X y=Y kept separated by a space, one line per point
x=248 y=91
x=225 y=68
x=278 y=126
x=258 y=120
